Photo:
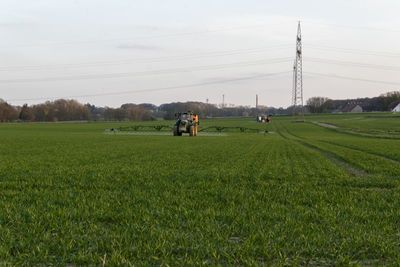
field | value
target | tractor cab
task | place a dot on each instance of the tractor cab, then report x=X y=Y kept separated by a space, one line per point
x=185 y=116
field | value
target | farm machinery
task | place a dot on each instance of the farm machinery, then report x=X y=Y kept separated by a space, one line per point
x=187 y=122
x=264 y=118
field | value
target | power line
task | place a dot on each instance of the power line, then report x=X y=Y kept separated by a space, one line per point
x=148 y=37
x=193 y=56
x=148 y=73
x=351 y=78
x=143 y=60
x=155 y=89
x=202 y=32
x=353 y=64
x=353 y=51
x=201 y=55
x=364 y=28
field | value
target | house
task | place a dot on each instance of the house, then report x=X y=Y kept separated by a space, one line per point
x=397 y=108
x=352 y=108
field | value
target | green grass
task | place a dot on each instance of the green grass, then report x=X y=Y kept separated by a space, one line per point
x=308 y=195
x=375 y=124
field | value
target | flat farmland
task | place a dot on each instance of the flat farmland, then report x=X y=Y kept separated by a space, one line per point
x=302 y=194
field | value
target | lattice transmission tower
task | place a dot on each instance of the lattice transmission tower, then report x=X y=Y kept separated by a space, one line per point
x=297 y=94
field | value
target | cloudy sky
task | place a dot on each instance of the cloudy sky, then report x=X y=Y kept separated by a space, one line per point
x=110 y=52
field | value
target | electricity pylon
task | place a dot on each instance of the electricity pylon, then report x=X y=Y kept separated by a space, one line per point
x=297 y=94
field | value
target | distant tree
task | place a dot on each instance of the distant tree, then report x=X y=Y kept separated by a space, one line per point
x=205 y=110
x=149 y=106
x=68 y=110
x=384 y=101
x=328 y=106
x=61 y=110
x=26 y=113
x=40 y=112
x=315 y=104
x=115 y=114
x=96 y=113
x=128 y=112
x=138 y=113
x=7 y=112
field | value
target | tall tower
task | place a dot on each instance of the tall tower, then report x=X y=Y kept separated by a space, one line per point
x=297 y=94
x=256 y=101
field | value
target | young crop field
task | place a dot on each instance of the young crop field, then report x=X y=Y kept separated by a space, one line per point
x=323 y=192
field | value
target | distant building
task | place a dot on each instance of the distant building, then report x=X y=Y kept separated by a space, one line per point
x=352 y=108
x=397 y=108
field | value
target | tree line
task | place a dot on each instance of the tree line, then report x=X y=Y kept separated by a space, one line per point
x=384 y=102
x=72 y=110
x=210 y=110
x=59 y=110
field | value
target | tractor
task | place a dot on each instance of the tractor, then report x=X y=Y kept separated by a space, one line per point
x=187 y=122
x=264 y=118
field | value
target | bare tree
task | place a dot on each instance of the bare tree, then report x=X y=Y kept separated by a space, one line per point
x=7 y=112
x=315 y=104
x=26 y=113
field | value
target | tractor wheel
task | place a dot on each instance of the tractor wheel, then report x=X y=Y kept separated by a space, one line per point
x=191 y=131
x=176 y=133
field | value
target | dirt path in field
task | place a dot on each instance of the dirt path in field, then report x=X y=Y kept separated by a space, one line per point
x=326 y=125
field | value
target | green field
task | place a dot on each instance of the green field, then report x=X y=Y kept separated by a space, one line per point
x=302 y=194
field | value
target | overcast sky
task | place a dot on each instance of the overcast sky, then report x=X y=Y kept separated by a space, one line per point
x=123 y=51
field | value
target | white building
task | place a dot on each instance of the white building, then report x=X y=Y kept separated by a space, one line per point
x=397 y=108
x=352 y=108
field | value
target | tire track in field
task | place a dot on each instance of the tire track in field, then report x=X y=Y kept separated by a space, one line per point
x=251 y=154
x=360 y=150
x=279 y=132
x=337 y=160
x=287 y=139
x=364 y=134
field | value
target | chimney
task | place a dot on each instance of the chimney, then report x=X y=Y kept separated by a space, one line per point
x=256 y=101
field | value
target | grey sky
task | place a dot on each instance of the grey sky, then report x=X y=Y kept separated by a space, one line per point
x=101 y=51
